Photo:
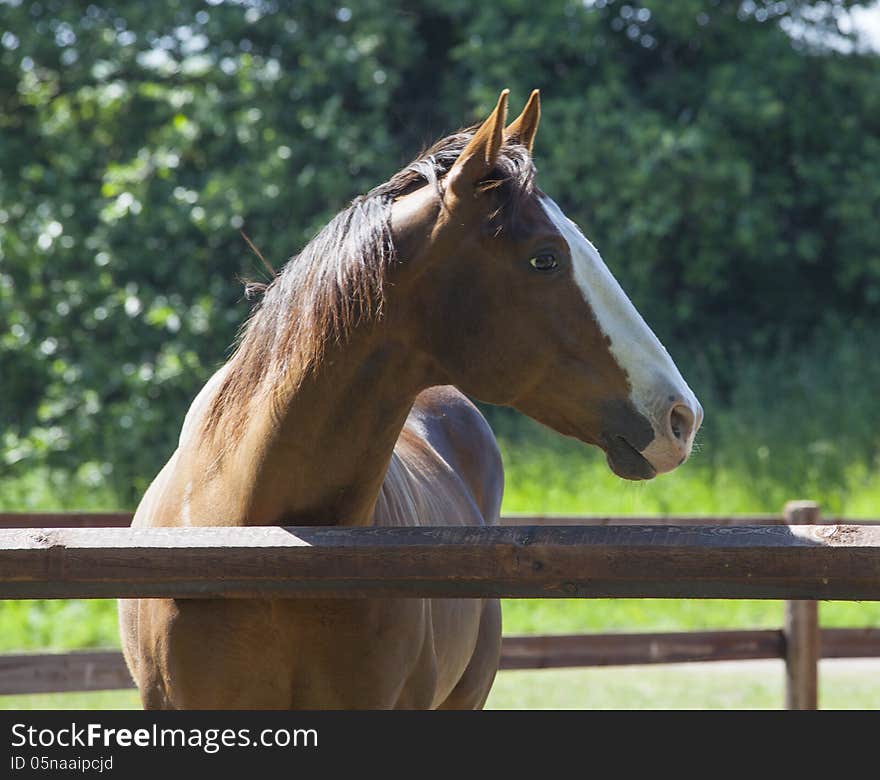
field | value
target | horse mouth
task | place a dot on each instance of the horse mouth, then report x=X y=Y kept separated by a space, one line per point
x=626 y=461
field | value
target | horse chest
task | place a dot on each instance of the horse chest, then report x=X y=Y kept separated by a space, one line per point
x=304 y=654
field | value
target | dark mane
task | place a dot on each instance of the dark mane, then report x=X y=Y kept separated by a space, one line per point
x=336 y=282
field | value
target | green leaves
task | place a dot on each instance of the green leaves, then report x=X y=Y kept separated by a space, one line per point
x=730 y=178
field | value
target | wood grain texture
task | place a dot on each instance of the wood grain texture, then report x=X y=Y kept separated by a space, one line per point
x=849 y=642
x=87 y=670
x=801 y=629
x=561 y=651
x=802 y=655
x=774 y=562
x=123 y=520
x=93 y=670
x=65 y=519
x=663 y=520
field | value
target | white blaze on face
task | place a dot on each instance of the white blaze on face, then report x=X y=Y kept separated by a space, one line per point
x=655 y=380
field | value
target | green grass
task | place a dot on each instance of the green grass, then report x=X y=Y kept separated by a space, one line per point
x=752 y=685
x=668 y=687
x=60 y=624
x=100 y=700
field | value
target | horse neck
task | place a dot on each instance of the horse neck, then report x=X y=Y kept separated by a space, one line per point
x=320 y=454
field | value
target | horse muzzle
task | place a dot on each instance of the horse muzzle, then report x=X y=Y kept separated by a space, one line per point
x=640 y=446
x=674 y=432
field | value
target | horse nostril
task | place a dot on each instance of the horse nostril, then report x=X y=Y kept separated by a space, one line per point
x=681 y=421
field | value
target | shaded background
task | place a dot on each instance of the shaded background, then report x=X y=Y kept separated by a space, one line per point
x=725 y=157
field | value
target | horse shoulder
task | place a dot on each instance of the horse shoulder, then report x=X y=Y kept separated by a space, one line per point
x=461 y=435
x=166 y=502
x=200 y=404
x=446 y=468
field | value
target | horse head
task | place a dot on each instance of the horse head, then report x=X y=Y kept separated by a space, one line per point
x=508 y=300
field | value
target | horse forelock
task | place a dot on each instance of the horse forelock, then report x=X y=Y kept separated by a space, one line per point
x=337 y=281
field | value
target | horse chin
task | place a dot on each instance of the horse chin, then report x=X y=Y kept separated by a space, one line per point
x=623 y=458
x=626 y=461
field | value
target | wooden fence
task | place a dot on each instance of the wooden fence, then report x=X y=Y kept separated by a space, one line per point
x=795 y=556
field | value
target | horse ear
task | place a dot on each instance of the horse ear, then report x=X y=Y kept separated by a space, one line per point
x=479 y=156
x=523 y=129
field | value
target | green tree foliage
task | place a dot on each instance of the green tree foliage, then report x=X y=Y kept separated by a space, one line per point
x=727 y=165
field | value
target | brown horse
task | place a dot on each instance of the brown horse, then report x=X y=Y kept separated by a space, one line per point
x=340 y=406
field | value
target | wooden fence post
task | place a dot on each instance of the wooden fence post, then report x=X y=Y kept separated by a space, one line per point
x=802 y=638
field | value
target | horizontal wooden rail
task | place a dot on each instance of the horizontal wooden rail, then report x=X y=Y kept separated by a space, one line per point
x=123 y=520
x=65 y=519
x=98 y=670
x=51 y=565
x=563 y=651
x=668 y=520
x=76 y=672
x=849 y=642
x=770 y=562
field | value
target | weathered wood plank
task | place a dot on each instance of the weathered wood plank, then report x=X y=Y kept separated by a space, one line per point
x=106 y=670
x=658 y=520
x=849 y=642
x=123 y=520
x=561 y=651
x=778 y=562
x=93 y=670
x=90 y=670
x=801 y=633
x=801 y=629
x=65 y=519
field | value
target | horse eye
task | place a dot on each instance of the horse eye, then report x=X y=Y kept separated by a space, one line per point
x=544 y=262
